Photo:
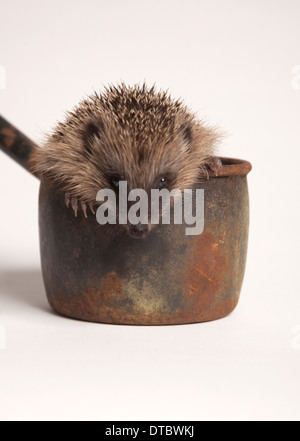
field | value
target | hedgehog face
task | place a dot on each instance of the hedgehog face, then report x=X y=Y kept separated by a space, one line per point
x=157 y=163
x=128 y=133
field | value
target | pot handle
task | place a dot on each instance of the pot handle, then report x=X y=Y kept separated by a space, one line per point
x=15 y=144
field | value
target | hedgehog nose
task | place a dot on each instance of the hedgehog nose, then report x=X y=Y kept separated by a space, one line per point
x=138 y=231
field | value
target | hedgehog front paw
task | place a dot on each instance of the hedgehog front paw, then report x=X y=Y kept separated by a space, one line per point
x=214 y=164
x=77 y=204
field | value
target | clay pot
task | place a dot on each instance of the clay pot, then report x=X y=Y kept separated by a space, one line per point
x=101 y=274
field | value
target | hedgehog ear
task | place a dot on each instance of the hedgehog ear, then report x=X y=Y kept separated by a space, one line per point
x=93 y=129
x=186 y=131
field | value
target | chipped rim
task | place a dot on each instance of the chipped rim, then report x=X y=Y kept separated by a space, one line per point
x=232 y=167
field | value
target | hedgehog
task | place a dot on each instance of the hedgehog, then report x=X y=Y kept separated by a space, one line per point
x=133 y=133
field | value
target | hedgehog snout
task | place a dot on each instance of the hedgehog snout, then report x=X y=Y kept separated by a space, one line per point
x=138 y=231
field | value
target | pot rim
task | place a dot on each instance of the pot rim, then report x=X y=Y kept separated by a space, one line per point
x=232 y=167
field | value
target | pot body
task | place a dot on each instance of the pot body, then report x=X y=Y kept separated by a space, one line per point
x=101 y=274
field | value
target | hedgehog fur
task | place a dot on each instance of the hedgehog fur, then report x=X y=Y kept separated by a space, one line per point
x=137 y=134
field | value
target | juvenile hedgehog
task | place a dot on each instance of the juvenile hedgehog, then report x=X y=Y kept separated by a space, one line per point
x=137 y=134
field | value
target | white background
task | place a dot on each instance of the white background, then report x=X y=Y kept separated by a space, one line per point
x=232 y=62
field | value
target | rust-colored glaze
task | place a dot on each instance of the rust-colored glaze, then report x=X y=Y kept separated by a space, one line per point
x=101 y=274
x=15 y=144
x=9 y=137
x=205 y=276
x=233 y=167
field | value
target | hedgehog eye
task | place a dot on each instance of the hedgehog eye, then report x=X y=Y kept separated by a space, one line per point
x=115 y=182
x=162 y=183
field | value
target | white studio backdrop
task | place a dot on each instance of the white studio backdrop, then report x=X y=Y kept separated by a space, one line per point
x=237 y=64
